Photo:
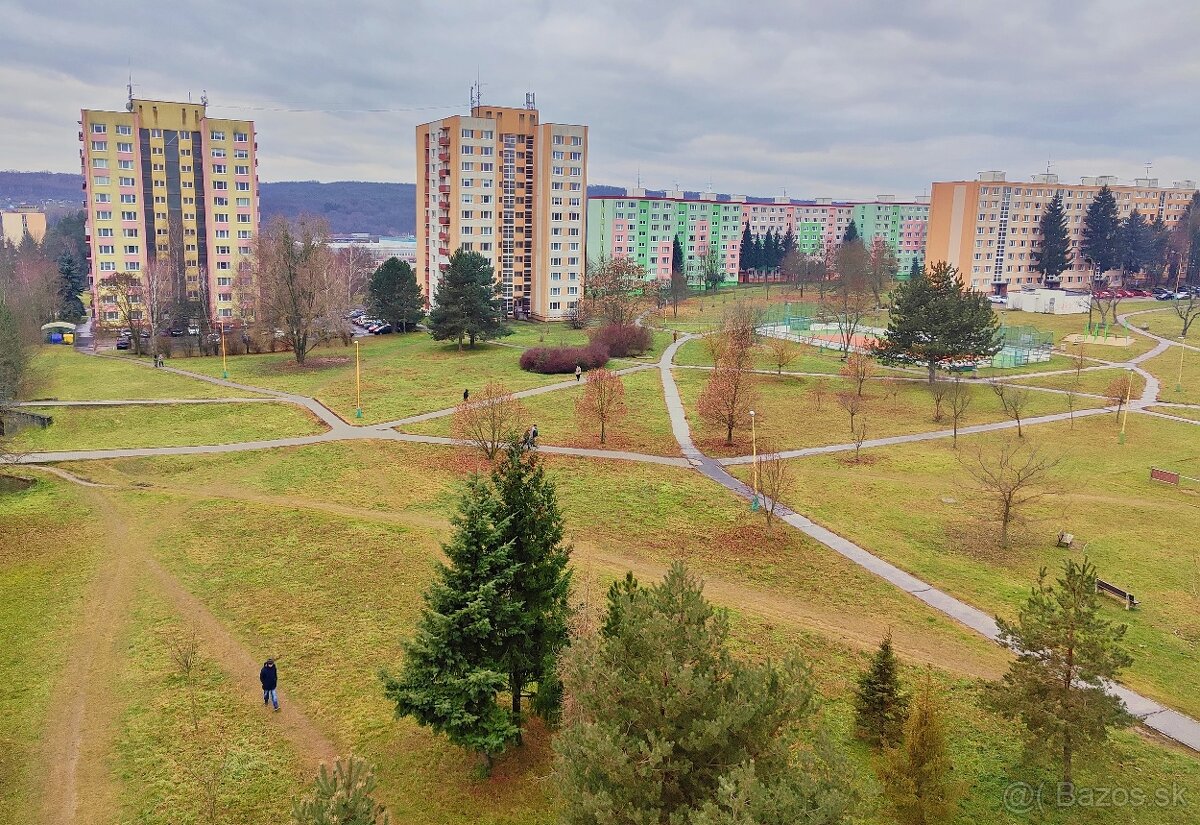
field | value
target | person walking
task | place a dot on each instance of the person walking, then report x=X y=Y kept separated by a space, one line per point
x=270 y=679
x=578 y=372
x=533 y=434
x=466 y=394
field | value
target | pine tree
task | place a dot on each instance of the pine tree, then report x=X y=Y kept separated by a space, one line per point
x=788 y=245
x=71 y=283
x=345 y=796
x=466 y=304
x=760 y=253
x=1054 y=256
x=747 y=261
x=770 y=250
x=676 y=256
x=669 y=727
x=1135 y=242
x=1066 y=655
x=1100 y=232
x=531 y=525
x=454 y=668
x=879 y=705
x=916 y=775
x=935 y=319
x=851 y=233
x=393 y=295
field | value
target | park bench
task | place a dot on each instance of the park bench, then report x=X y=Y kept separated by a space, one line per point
x=1112 y=590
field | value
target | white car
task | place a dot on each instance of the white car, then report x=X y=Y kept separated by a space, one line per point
x=997 y=299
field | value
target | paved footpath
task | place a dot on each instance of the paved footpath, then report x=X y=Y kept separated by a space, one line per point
x=1170 y=723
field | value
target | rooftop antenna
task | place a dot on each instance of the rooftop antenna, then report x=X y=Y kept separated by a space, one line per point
x=1048 y=165
x=639 y=177
x=129 y=104
x=1148 y=165
x=529 y=101
x=204 y=97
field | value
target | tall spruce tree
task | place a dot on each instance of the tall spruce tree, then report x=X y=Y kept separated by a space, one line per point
x=467 y=303
x=71 y=284
x=936 y=319
x=668 y=727
x=760 y=253
x=851 y=233
x=1054 y=256
x=916 y=269
x=454 y=666
x=880 y=706
x=770 y=250
x=917 y=776
x=1066 y=654
x=1135 y=242
x=531 y=525
x=788 y=244
x=394 y=296
x=747 y=261
x=676 y=256
x=1101 y=241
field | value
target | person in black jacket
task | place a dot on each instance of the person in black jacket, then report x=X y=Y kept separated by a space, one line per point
x=270 y=679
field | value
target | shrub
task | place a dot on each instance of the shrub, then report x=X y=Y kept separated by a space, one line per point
x=563 y=360
x=622 y=341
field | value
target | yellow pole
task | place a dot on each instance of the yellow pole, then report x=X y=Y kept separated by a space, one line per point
x=358 y=379
x=224 y=363
x=754 y=452
x=1128 y=394
x=1182 y=349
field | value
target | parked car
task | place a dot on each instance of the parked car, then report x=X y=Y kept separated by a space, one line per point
x=1181 y=295
x=123 y=343
x=382 y=329
x=176 y=332
x=997 y=299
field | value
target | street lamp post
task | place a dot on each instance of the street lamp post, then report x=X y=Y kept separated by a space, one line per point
x=754 y=464
x=1128 y=395
x=1182 y=349
x=357 y=380
x=224 y=362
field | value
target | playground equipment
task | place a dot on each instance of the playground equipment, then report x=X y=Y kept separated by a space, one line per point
x=1021 y=345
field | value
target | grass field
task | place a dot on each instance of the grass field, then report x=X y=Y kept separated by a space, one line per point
x=1192 y=413
x=646 y=428
x=1165 y=368
x=47 y=560
x=917 y=507
x=332 y=637
x=1092 y=382
x=166 y=425
x=891 y=408
x=61 y=373
x=1166 y=323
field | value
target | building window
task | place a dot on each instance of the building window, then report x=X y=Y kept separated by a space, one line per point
x=129 y=216
x=240 y=137
x=220 y=169
x=218 y=153
x=215 y=135
x=129 y=199
x=125 y=164
x=107 y=249
x=103 y=215
x=99 y=163
x=241 y=170
x=99 y=128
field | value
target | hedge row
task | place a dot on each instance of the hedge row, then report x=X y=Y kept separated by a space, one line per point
x=563 y=360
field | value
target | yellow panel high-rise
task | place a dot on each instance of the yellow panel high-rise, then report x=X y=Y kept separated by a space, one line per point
x=166 y=185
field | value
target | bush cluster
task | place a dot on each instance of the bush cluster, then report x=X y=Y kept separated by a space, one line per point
x=563 y=360
x=622 y=341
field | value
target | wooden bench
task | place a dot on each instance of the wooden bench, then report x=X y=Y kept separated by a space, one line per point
x=1112 y=590
x=1066 y=539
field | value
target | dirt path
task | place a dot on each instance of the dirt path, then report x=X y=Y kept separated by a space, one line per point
x=77 y=744
x=80 y=732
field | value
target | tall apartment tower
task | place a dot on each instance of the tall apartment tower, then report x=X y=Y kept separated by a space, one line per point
x=502 y=183
x=990 y=227
x=166 y=180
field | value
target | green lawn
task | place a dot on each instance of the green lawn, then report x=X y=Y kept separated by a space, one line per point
x=916 y=506
x=1183 y=412
x=1165 y=323
x=170 y=425
x=645 y=429
x=789 y=417
x=1165 y=368
x=809 y=358
x=1093 y=382
x=47 y=560
x=1064 y=325
x=63 y=374
x=335 y=620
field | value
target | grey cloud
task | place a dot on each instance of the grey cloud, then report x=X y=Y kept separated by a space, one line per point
x=842 y=99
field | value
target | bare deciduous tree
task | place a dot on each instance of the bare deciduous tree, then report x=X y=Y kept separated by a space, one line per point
x=740 y=323
x=774 y=481
x=937 y=391
x=602 y=402
x=1188 y=310
x=124 y=289
x=184 y=649
x=860 y=435
x=959 y=397
x=1012 y=476
x=783 y=352
x=853 y=404
x=858 y=368
x=1013 y=400
x=852 y=292
x=1120 y=390
x=614 y=287
x=298 y=289
x=881 y=268
x=490 y=420
x=159 y=279
x=820 y=389
x=730 y=393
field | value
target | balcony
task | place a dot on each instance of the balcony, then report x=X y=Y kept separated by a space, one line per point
x=444 y=251
x=444 y=157
x=443 y=140
x=444 y=237
x=444 y=188
x=443 y=173
x=444 y=220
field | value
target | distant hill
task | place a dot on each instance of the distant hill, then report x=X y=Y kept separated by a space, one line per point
x=349 y=206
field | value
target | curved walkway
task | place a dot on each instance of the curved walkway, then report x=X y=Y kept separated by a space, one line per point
x=1168 y=722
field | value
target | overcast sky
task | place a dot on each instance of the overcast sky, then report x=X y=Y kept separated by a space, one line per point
x=841 y=99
